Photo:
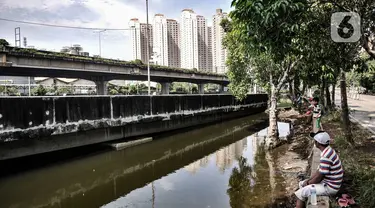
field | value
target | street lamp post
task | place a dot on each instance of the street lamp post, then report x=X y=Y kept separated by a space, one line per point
x=148 y=50
x=100 y=42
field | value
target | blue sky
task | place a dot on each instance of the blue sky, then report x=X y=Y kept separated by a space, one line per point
x=91 y=13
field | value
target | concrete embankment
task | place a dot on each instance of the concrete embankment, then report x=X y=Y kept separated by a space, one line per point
x=43 y=124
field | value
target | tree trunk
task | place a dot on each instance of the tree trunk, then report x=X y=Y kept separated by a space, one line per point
x=273 y=131
x=345 y=109
x=293 y=88
x=333 y=94
x=297 y=84
x=304 y=87
x=322 y=88
x=291 y=94
x=328 y=97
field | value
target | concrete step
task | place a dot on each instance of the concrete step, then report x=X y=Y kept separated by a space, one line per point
x=123 y=145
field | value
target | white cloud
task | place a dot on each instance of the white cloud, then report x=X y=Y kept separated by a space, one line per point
x=107 y=13
x=113 y=13
x=87 y=13
x=166 y=184
x=51 y=5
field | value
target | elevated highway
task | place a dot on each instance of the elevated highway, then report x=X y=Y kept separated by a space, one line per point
x=100 y=71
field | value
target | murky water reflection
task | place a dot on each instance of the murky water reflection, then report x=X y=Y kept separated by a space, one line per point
x=214 y=166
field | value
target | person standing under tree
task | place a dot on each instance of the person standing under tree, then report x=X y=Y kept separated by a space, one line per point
x=317 y=115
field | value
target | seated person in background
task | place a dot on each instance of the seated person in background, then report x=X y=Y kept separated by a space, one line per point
x=328 y=178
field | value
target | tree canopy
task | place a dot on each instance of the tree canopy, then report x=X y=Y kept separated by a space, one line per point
x=274 y=42
x=3 y=42
x=263 y=48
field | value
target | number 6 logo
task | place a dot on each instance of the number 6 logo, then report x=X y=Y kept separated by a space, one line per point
x=345 y=27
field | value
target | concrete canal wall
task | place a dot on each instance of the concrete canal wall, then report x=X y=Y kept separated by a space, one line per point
x=43 y=124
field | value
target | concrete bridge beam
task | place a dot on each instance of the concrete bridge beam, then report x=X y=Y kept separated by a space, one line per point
x=165 y=88
x=37 y=65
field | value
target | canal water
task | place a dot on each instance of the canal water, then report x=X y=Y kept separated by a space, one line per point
x=215 y=166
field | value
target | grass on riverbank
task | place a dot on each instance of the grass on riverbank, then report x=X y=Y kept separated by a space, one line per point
x=358 y=160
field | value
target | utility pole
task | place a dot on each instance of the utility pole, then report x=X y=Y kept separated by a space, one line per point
x=148 y=49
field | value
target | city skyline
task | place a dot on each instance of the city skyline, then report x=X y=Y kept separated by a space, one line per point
x=93 y=13
x=185 y=43
x=219 y=52
x=193 y=41
x=166 y=50
x=139 y=40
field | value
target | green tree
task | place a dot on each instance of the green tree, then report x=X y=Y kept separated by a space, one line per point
x=141 y=87
x=181 y=87
x=194 y=89
x=3 y=42
x=39 y=91
x=12 y=91
x=365 y=8
x=133 y=90
x=367 y=81
x=64 y=90
x=211 y=87
x=158 y=87
x=123 y=90
x=261 y=44
x=343 y=57
x=112 y=89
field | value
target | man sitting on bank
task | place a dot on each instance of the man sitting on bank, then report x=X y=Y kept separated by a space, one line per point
x=328 y=178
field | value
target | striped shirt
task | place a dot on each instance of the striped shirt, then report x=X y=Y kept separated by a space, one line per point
x=317 y=111
x=330 y=166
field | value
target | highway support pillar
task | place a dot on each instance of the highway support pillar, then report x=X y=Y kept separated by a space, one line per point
x=165 y=88
x=201 y=88
x=3 y=58
x=221 y=89
x=101 y=87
